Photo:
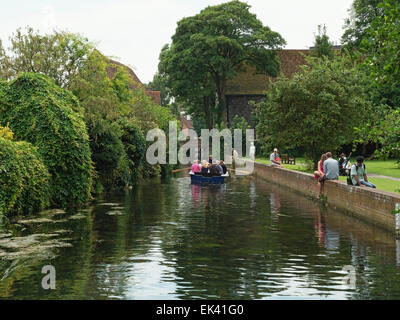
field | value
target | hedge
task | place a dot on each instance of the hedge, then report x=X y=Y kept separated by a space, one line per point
x=49 y=117
x=24 y=179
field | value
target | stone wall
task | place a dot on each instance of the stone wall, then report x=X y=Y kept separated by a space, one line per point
x=368 y=204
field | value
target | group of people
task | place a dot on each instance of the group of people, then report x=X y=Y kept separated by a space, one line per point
x=329 y=168
x=210 y=168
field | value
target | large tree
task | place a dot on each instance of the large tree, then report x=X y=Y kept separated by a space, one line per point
x=381 y=49
x=59 y=55
x=317 y=109
x=362 y=14
x=211 y=47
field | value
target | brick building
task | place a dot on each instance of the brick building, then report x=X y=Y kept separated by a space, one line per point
x=112 y=68
x=248 y=86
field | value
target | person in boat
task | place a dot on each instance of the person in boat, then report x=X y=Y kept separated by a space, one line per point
x=210 y=159
x=221 y=171
x=215 y=171
x=223 y=166
x=196 y=167
x=205 y=169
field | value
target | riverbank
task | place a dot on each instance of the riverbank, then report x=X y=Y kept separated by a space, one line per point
x=384 y=174
x=375 y=206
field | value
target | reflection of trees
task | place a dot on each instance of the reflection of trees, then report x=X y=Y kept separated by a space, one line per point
x=243 y=240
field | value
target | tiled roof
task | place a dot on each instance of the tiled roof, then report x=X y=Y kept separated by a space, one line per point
x=248 y=82
x=112 y=67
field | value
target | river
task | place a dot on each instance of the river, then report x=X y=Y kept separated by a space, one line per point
x=247 y=239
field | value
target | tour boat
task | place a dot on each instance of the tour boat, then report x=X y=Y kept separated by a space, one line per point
x=200 y=179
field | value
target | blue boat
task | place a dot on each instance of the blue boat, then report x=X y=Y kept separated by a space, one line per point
x=199 y=179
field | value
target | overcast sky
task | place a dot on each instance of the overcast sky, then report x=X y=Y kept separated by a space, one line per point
x=134 y=31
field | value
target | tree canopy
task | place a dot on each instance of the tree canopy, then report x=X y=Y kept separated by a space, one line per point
x=317 y=109
x=211 y=47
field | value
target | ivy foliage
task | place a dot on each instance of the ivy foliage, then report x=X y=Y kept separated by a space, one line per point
x=40 y=112
x=24 y=179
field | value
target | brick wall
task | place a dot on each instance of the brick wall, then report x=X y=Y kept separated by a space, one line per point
x=370 y=205
x=239 y=105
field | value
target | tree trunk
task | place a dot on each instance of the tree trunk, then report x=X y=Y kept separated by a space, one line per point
x=221 y=94
x=207 y=113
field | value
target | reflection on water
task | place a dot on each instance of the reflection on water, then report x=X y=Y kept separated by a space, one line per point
x=172 y=240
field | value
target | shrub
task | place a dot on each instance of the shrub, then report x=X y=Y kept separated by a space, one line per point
x=134 y=144
x=46 y=115
x=24 y=179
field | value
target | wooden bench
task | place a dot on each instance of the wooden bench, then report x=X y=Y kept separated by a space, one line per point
x=288 y=160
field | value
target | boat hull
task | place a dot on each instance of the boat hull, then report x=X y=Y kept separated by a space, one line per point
x=198 y=179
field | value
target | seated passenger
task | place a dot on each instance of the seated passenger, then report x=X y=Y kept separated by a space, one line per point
x=221 y=171
x=204 y=169
x=214 y=170
x=224 y=168
x=196 y=168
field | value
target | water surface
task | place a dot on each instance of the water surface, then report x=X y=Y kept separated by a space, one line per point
x=172 y=240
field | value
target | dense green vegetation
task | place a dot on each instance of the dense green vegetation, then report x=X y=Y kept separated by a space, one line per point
x=40 y=112
x=348 y=98
x=91 y=132
x=211 y=47
x=327 y=95
x=24 y=179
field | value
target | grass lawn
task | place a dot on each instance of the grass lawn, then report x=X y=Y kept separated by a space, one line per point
x=381 y=167
x=382 y=184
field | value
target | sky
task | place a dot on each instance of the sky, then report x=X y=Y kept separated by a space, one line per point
x=134 y=31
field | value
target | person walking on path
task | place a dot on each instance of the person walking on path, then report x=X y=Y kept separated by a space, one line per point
x=358 y=174
x=331 y=167
x=252 y=151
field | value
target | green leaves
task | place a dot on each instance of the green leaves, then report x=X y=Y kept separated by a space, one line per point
x=24 y=179
x=317 y=109
x=59 y=55
x=47 y=116
x=209 y=48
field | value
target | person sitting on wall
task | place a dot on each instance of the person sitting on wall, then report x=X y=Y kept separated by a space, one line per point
x=331 y=167
x=275 y=159
x=358 y=174
x=320 y=174
x=223 y=166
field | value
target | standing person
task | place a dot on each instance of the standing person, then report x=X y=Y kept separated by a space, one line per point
x=210 y=159
x=358 y=174
x=331 y=167
x=320 y=174
x=252 y=151
x=275 y=159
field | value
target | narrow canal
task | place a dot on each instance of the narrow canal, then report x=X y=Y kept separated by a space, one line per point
x=172 y=240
